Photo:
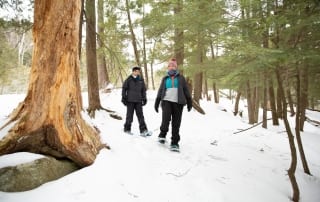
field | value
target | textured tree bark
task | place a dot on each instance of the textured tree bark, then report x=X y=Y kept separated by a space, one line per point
x=48 y=121
x=80 y=27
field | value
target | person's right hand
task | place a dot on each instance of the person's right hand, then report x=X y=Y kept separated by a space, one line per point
x=124 y=101
x=156 y=105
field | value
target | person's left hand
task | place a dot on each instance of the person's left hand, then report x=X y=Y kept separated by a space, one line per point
x=189 y=105
x=144 y=102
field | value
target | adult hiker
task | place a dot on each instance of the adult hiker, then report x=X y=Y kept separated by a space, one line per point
x=173 y=94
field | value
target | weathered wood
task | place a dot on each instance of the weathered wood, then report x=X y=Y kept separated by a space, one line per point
x=49 y=121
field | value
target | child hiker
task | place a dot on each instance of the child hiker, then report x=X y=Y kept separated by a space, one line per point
x=134 y=97
x=173 y=94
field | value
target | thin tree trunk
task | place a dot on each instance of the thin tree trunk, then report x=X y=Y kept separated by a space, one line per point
x=312 y=103
x=102 y=66
x=265 y=104
x=215 y=89
x=49 y=120
x=91 y=52
x=151 y=64
x=145 y=53
x=178 y=37
x=297 y=128
x=250 y=104
x=272 y=99
x=197 y=87
x=292 y=113
x=279 y=104
x=236 y=105
x=152 y=79
x=304 y=96
x=293 y=165
x=215 y=93
x=133 y=36
x=206 y=88
x=256 y=101
x=198 y=75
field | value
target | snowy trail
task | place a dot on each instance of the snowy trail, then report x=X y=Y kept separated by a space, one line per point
x=213 y=165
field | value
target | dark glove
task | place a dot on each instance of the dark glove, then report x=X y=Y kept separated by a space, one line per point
x=189 y=105
x=144 y=102
x=156 y=105
x=124 y=101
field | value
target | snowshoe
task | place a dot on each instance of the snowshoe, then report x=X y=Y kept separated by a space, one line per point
x=162 y=140
x=128 y=132
x=174 y=148
x=146 y=133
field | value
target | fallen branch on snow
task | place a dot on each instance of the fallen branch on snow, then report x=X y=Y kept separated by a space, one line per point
x=250 y=127
x=313 y=122
x=179 y=175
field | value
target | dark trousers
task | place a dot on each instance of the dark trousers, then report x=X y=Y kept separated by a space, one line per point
x=171 y=110
x=131 y=107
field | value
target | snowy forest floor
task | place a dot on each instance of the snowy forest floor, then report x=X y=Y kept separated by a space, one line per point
x=214 y=164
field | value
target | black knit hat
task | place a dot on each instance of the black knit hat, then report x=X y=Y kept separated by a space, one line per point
x=136 y=68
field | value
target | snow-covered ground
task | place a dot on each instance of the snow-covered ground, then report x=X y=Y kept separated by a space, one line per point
x=214 y=164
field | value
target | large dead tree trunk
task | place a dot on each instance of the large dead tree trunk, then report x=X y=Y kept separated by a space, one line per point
x=48 y=121
x=80 y=28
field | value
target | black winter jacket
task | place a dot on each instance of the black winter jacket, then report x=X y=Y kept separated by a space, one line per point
x=134 y=90
x=184 y=96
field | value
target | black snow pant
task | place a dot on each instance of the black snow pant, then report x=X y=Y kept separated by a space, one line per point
x=131 y=107
x=171 y=110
